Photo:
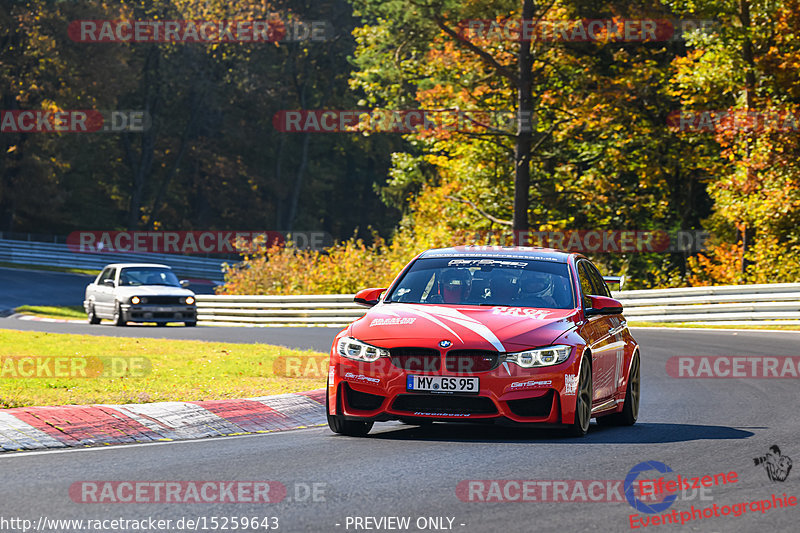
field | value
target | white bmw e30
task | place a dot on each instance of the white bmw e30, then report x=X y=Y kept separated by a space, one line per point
x=139 y=292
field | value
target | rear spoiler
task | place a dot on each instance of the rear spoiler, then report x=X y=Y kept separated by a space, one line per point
x=614 y=280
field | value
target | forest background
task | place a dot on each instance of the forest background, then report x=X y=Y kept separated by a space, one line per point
x=603 y=150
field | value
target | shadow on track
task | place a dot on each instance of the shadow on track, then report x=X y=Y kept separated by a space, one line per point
x=639 y=434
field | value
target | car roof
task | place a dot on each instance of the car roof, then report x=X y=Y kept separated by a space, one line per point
x=502 y=252
x=127 y=265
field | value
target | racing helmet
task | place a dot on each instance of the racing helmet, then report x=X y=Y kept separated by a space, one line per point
x=503 y=285
x=537 y=284
x=456 y=285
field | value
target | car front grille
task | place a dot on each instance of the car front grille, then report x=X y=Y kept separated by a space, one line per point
x=441 y=403
x=471 y=361
x=416 y=359
x=163 y=300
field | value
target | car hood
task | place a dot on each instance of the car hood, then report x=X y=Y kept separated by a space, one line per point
x=504 y=329
x=152 y=290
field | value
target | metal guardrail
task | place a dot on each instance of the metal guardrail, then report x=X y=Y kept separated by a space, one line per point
x=725 y=305
x=55 y=254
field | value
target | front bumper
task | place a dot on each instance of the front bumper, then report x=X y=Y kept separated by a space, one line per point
x=508 y=394
x=159 y=313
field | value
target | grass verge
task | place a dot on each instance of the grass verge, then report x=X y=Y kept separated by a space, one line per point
x=180 y=370
x=67 y=312
x=702 y=326
x=48 y=268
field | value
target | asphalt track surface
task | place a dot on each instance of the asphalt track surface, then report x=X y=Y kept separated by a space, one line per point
x=38 y=287
x=35 y=287
x=696 y=426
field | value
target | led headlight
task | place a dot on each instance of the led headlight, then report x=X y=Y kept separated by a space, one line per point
x=547 y=356
x=189 y=300
x=360 y=351
x=135 y=300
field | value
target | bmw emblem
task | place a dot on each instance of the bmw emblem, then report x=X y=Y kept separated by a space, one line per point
x=445 y=344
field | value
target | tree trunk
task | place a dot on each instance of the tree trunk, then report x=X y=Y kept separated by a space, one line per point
x=522 y=146
x=749 y=91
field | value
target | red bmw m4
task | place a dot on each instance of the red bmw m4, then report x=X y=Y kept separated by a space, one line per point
x=504 y=335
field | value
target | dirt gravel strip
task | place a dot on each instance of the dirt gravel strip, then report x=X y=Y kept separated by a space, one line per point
x=36 y=428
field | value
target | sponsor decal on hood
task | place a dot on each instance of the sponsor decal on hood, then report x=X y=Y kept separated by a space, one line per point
x=499 y=326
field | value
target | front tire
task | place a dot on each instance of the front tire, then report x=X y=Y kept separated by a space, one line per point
x=630 y=409
x=118 y=318
x=583 y=401
x=338 y=424
x=92 y=316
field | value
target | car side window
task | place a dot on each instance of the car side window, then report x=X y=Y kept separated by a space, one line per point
x=108 y=273
x=586 y=283
x=597 y=280
x=111 y=274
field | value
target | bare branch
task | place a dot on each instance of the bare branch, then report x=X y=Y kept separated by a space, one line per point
x=485 y=56
x=479 y=210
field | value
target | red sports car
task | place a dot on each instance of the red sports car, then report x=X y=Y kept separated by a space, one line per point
x=487 y=334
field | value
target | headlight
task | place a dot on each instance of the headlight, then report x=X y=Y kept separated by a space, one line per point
x=547 y=356
x=359 y=351
x=135 y=300
x=189 y=300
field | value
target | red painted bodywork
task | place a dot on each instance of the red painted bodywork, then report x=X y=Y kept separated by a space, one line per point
x=504 y=329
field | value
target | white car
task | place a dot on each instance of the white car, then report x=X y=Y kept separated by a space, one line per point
x=139 y=292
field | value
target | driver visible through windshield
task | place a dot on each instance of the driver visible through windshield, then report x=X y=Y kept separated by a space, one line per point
x=517 y=282
x=132 y=277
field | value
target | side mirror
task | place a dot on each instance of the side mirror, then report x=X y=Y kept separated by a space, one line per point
x=603 y=306
x=185 y=283
x=109 y=283
x=368 y=297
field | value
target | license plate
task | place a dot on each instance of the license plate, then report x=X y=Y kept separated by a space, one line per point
x=163 y=309
x=443 y=384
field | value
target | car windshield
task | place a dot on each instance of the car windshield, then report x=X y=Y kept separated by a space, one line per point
x=514 y=282
x=148 y=276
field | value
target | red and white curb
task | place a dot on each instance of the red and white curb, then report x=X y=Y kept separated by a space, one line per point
x=36 y=428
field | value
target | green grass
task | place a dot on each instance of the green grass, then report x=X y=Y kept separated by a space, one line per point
x=181 y=370
x=713 y=326
x=48 y=268
x=67 y=312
